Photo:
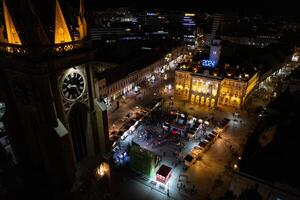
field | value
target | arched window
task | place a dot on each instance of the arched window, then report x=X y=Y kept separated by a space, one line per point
x=78 y=126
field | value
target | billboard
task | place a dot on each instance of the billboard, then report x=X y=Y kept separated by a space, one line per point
x=208 y=63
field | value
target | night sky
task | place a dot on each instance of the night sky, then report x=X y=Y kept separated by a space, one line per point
x=275 y=7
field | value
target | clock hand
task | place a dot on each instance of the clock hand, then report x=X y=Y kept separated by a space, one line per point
x=77 y=89
x=72 y=86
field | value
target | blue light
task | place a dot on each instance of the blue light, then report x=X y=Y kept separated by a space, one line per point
x=208 y=63
x=151 y=14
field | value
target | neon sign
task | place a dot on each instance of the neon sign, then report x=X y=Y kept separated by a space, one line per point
x=208 y=63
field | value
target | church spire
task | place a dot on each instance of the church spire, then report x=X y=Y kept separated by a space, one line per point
x=62 y=33
x=12 y=34
x=82 y=27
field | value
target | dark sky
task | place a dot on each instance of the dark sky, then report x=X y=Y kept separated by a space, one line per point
x=275 y=7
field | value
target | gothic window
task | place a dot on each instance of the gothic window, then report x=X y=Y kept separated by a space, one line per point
x=78 y=126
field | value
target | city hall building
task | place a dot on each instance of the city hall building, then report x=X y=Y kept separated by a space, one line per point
x=214 y=87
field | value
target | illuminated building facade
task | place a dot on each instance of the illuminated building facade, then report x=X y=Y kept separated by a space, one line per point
x=211 y=88
x=112 y=87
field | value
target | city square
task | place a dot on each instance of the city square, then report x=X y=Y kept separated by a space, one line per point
x=219 y=159
x=149 y=100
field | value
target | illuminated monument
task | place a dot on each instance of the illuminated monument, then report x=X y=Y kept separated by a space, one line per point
x=56 y=126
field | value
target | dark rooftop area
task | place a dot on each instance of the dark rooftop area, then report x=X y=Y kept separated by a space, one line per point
x=276 y=161
x=131 y=56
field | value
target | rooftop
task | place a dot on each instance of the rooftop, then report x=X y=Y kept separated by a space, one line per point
x=164 y=170
x=131 y=56
x=233 y=71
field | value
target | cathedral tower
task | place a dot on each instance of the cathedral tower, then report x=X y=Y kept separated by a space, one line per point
x=54 y=121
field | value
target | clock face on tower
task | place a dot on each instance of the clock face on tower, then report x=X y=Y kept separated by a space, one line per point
x=73 y=86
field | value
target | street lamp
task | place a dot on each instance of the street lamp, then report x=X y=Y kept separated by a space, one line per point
x=235 y=166
x=101 y=170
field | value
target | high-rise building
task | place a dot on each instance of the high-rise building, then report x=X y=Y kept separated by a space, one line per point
x=216 y=26
x=215 y=51
x=53 y=120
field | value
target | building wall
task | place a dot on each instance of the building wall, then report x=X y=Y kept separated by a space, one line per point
x=251 y=85
x=208 y=91
x=122 y=86
x=232 y=92
x=204 y=91
x=254 y=41
x=126 y=84
x=182 y=85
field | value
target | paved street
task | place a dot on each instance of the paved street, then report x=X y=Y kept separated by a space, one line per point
x=211 y=174
x=117 y=117
x=271 y=87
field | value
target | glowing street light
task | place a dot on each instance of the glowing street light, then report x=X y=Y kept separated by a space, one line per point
x=235 y=166
x=101 y=170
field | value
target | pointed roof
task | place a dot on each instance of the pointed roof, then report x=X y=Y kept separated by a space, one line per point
x=82 y=26
x=28 y=17
x=42 y=22
x=62 y=33
x=11 y=31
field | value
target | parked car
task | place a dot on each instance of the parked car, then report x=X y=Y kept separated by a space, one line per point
x=226 y=119
x=189 y=159
x=124 y=136
x=215 y=133
x=203 y=144
x=211 y=136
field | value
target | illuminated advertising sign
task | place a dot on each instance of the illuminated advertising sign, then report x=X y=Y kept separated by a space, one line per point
x=208 y=63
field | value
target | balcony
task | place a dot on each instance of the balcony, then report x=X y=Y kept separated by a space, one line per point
x=43 y=51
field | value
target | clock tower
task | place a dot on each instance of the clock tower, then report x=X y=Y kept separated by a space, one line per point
x=55 y=123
